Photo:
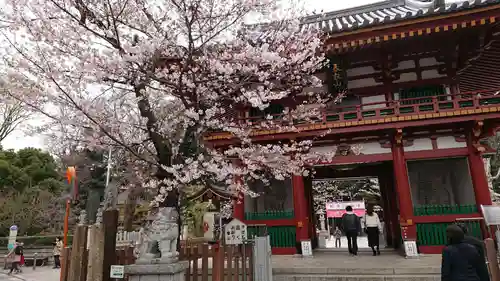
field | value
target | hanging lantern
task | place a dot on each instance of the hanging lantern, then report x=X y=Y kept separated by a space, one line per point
x=210 y=222
x=71 y=177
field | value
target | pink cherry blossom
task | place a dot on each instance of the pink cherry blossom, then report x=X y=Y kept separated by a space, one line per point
x=152 y=78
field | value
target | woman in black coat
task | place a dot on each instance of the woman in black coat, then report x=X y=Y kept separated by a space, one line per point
x=461 y=261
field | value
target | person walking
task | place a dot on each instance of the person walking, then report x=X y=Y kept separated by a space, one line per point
x=21 y=260
x=461 y=261
x=15 y=253
x=57 y=252
x=478 y=244
x=372 y=228
x=337 y=234
x=352 y=228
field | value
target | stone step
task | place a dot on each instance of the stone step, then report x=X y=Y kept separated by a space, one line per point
x=434 y=270
x=361 y=250
x=322 y=277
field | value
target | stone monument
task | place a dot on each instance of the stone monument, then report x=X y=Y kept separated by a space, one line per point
x=323 y=233
x=162 y=264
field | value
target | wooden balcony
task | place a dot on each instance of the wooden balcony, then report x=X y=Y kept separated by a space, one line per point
x=422 y=108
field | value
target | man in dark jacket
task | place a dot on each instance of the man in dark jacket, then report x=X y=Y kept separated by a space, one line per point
x=478 y=244
x=351 y=227
x=461 y=261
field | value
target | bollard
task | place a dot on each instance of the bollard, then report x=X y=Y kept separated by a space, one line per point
x=34 y=261
x=5 y=263
x=491 y=256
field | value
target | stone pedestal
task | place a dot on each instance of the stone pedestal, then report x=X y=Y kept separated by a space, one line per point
x=157 y=271
x=322 y=239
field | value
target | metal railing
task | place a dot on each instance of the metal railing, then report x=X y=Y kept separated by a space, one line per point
x=384 y=109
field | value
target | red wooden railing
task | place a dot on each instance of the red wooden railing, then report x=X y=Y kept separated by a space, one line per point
x=384 y=109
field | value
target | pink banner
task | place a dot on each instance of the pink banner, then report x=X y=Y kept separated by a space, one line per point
x=340 y=213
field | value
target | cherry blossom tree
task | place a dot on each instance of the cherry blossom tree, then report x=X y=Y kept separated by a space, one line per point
x=325 y=191
x=155 y=77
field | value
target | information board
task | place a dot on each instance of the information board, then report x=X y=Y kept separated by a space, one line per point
x=235 y=232
x=411 y=250
x=306 y=248
x=491 y=214
x=117 y=271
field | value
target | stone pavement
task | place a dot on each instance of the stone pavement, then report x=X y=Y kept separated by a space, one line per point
x=44 y=273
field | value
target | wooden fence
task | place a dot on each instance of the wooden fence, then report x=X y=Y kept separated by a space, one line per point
x=124 y=256
x=85 y=261
x=217 y=263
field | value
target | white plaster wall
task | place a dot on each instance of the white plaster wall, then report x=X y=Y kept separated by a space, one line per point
x=361 y=83
x=360 y=71
x=408 y=64
x=405 y=77
x=323 y=149
x=449 y=142
x=374 y=148
x=420 y=144
x=429 y=61
x=366 y=148
x=430 y=74
x=372 y=99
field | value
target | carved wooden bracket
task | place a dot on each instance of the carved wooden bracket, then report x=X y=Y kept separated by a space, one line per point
x=399 y=136
x=478 y=128
x=478 y=147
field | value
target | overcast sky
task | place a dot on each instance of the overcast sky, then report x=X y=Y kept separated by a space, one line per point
x=18 y=139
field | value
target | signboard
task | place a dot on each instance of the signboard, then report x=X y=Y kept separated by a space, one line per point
x=12 y=237
x=337 y=209
x=117 y=271
x=235 y=232
x=491 y=214
x=209 y=226
x=306 y=248
x=411 y=250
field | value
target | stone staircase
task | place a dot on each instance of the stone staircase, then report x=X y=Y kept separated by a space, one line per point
x=336 y=266
x=357 y=274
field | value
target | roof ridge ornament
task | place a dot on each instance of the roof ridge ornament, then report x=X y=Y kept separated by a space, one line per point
x=420 y=4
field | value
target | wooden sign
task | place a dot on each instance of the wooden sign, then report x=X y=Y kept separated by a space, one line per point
x=117 y=271
x=235 y=232
x=411 y=250
x=306 y=248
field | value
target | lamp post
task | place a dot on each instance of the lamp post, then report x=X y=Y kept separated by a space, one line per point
x=71 y=177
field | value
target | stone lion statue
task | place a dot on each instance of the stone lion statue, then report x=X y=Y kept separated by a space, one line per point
x=163 y=232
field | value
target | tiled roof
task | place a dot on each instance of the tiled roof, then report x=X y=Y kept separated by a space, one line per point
x=388 y=11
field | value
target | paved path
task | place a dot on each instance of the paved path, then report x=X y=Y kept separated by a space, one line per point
x=44 y=273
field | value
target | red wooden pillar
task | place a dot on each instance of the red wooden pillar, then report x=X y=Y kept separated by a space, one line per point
x=239 y=207
x=300 y=208
x=478 y=174
x=239 y=203
x=403 y=190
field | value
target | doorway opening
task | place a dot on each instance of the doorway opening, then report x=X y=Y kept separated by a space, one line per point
x=335 y=187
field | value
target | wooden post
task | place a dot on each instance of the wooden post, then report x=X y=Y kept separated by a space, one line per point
x=77 y=267
x=218 y=262
x=491 y=256
x=65 y=263
x=110 y=225
x=96 y=247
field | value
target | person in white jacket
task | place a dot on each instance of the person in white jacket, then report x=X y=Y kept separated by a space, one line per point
x=373 y=227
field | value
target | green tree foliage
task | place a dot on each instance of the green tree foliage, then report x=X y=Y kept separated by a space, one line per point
x=31 y=186
x=34 y=211
x=29 y=168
